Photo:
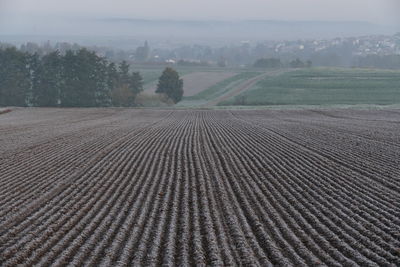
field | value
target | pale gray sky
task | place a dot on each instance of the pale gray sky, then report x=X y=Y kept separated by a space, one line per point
x=79 y=17
x=377 y=11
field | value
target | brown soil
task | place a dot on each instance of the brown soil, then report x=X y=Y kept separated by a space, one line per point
x=121 y=187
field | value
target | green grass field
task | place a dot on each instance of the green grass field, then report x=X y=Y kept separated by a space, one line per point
x=324 y=86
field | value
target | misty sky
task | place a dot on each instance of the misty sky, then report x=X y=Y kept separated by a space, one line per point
x=80 y=17
x=376 y=11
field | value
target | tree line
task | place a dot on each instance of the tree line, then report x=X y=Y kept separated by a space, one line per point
x=275 y=63
x=378 y=62
x=76 y=79
x=370 y=61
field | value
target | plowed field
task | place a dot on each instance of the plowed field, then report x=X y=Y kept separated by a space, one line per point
x=116 y=187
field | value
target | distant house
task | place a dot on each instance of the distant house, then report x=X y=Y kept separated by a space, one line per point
x=170 y=61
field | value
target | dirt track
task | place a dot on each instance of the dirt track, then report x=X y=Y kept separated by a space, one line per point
x=145 y=187
x=242 y=87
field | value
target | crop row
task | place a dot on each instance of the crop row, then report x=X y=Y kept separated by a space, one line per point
x=151 y=188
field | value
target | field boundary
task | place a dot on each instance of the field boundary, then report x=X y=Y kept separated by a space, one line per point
x=242 y=87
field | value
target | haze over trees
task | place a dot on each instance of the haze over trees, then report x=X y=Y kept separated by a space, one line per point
x=76 y=79
x=171 y=85
x=143 y=52
x=297 y=63
x=338 y=52
x=268 y=63
x=275 y=63
x=379 y=61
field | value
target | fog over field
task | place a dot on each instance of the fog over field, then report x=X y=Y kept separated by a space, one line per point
x=194 y=21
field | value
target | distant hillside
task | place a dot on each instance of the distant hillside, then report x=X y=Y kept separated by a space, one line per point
x=254 y=29
x=122 y=31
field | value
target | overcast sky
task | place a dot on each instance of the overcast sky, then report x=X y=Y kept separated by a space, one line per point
x=377 y=11
x=64 y=17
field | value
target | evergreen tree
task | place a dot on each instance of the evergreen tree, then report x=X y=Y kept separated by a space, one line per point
x=85 y=80
x=14 y=77
x=103 y=92
x=171 y=85
x=35 y=68
x=77 y=79
x=86 y=74
x=46 y=80
x=136 y=83
x=70 y=91
x=112 y=76
x=123 y=71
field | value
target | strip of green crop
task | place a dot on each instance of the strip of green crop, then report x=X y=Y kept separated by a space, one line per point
x=324 y=86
